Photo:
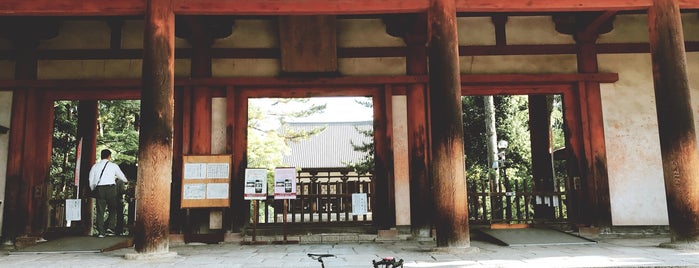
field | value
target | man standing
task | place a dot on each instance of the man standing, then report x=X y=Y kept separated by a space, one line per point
x=103 y=177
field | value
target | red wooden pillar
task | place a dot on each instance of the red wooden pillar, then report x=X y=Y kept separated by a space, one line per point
x=420 y=196
x=236 y=123
x=18 y=187
x=200 y=116
x=201 y=42
x=447 y=165
x=678 y=142
x=383 y=202
x=597 y=205
x=542 y=165
x=87 y=130
x=155 y=139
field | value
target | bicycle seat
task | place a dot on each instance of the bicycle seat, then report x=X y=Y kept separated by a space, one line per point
x=316 y=256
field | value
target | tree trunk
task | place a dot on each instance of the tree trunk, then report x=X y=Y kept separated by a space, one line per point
x=491 y=136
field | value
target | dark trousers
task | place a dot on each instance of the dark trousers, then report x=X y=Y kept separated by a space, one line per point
x=106 y=199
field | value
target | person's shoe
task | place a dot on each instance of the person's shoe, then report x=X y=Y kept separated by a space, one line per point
x=101 y=236
x=110 y=232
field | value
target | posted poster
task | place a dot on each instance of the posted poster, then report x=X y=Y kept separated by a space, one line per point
x=255 y=184
x=359 y=204
x=285 y=183
x=72 y=210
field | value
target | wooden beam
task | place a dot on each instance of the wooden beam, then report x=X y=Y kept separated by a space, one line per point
x=447 y=162
x=298 y=7
x=87 y=130
x=357 y=81
x=310 y=7
x=418 y=138
x=308 y=44
x=155 y=139
x=72 y=7
x=678 y=143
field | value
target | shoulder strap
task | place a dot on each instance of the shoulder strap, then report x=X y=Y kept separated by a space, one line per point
x=100 y=179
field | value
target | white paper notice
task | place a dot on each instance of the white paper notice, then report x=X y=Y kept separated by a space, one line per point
x=194 y=191
x=217 y=191
x=359 y=206
x=217 y=171
x=195 y=170
x=72 y=210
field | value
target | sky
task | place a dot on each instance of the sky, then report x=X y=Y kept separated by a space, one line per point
x=338 y=109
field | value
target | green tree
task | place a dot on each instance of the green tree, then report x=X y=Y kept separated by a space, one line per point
x=117 y=129
x=366 y=165
x=63 y=153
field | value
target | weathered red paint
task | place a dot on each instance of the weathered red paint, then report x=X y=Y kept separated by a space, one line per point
x=447 y=161
x=310 y=7
x=678 y=144
x=155 y=139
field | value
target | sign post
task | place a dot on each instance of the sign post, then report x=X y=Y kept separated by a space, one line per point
x=285 y=188
x=255 y=190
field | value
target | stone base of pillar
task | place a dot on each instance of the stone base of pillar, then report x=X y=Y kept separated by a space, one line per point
x=682 y=245
x=150 y=256
x=456 y=250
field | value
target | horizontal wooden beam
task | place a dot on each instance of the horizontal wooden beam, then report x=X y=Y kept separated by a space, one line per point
x=72 y=7
x=270 y=83
x=481 y=79
x=281 y=82
x=355 y=52
x=310 y=7
x=298 y=7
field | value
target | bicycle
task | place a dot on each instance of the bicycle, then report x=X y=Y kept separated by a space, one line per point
x=319 y=257
x=386 y=262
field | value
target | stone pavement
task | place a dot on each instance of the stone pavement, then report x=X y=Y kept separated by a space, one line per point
x=608 y=252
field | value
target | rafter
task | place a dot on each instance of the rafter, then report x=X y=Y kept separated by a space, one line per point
x=314 y=7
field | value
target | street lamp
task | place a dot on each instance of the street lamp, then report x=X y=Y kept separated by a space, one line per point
x=502 y=148
x=502 y=144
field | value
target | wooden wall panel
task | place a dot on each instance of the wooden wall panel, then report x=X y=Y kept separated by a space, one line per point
x=308 y=44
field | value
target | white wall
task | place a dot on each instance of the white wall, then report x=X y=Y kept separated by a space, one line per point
x=5 y=112
x=636 y=186
x=401 y=172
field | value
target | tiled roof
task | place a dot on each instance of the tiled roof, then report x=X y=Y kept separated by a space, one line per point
x=329 y=148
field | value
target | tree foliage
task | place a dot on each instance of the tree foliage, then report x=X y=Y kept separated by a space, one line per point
x=63 y=153
x=366 y=165
x=512 y=125
x=117 y=130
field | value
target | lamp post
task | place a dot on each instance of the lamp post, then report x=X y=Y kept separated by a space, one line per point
x=502 y=149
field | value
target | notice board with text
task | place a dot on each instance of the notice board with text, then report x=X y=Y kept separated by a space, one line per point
x=206 y=181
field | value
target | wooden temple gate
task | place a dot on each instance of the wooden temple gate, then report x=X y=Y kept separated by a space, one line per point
x=439 y=161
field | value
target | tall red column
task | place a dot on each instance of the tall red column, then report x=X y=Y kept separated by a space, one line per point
x=678 y=142
x=447 y=162
x=155 y=140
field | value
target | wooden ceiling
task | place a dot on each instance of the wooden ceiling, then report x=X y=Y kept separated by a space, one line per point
x=308 y=7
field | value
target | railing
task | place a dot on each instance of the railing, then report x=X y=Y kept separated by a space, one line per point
x=322 y=196
x=513 y=201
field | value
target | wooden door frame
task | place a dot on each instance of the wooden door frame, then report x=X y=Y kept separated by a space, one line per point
x=380 y=94
x=574 y=131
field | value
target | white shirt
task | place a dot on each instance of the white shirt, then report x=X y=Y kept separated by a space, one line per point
x=111 y=172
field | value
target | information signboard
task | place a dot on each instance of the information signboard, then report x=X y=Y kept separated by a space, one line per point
x=285 y=183
x=255 y=184
x=206 y=181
